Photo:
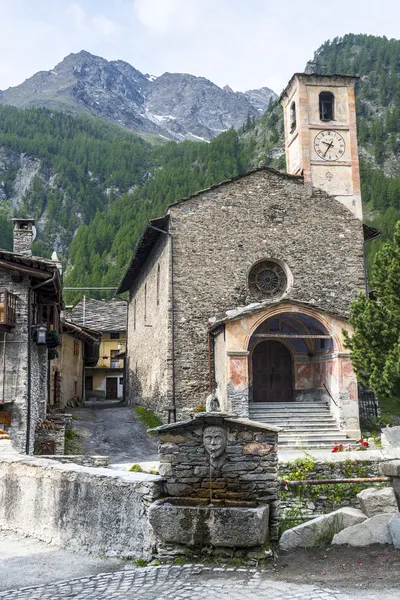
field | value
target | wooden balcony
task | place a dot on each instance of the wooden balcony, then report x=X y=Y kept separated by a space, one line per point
x=47 y=314
x=8 y=310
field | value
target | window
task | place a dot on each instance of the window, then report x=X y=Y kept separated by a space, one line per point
x=121 y=381
x=292 y=117
x=76 y=348
x=326 y=106
x=114 y=335
x=267 y=279
x=145 y=302
x=75 y=388
x=158 y=285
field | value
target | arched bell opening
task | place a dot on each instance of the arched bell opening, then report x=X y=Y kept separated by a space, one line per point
x=291 y=359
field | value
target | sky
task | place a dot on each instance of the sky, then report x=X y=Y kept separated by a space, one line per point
x=246 y=44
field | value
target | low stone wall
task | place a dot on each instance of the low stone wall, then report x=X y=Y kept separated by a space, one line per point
x=82 y=459
x=82 y=508
x=305 y=502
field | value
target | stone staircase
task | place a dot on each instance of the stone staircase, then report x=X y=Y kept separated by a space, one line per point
x=307 y=424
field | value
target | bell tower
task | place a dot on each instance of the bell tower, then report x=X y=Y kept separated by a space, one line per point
x=321 y=135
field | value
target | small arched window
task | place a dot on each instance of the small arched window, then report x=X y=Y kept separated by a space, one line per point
x=292 y=116
x=145 y=302
x=326 y=106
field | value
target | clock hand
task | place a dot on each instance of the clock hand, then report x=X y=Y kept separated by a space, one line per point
x=330 y=146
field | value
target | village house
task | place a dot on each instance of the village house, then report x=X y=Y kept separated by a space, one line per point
x=105 y=371
x=79 y=349
x=30 y=307
x=243 y=289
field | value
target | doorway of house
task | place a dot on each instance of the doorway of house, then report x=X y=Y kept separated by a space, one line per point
x=272 y=372
x=112 y=388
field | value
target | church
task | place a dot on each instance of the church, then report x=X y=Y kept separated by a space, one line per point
x=243 y=289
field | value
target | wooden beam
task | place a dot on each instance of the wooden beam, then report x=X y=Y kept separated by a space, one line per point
x=26 y=270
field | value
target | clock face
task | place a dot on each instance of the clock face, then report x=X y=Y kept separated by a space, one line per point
x=329 y=145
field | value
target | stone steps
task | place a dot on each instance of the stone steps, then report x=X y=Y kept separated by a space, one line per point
x=302 y=423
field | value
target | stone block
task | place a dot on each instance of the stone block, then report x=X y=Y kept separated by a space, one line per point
x=258 y=448
x=239 y=466
x=178 y=489
x=165 y=470
x=391 y=468
x=197 y=524
x=375 y=501
x=168 y=449
x=320 y=530
x=394 y=530
x=257 y=477
x=371 y=531
x=174 y=439
x=391 y=437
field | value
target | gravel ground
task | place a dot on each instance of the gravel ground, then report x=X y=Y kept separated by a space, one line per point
x=113 y=430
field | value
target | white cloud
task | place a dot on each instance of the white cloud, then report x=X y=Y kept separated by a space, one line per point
x=160 y=16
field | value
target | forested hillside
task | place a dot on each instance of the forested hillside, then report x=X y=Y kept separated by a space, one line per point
x=76 y=166
x=92 y=186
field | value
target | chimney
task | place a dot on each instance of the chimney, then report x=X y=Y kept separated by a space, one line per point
x=24 y=234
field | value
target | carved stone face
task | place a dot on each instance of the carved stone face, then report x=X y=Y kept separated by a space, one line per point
x=214 y=439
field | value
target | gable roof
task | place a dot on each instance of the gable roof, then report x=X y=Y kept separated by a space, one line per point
x=39 y=269
x=101 y=315
x=150 y=236
x=89 y=336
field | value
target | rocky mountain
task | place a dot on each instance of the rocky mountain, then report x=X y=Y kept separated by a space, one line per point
x=174 y=106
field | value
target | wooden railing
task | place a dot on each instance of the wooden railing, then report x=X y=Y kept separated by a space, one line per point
x=47 y=315
x=8 y=308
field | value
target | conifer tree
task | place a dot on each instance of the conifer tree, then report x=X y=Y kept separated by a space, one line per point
x=375 y=343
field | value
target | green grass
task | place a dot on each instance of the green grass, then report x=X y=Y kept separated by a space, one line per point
x=148 y=417
x=135 y=468
x=73 y=442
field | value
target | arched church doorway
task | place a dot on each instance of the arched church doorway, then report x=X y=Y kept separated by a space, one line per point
x=272 y=371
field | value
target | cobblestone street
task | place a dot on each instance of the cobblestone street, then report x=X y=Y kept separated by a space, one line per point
x=196 y=582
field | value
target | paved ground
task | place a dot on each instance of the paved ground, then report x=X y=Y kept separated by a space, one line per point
x=32 y=570
x=115 y=431
x=26 y=562
x=188 y=582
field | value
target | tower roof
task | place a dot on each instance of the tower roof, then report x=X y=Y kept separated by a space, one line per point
x=321 y=79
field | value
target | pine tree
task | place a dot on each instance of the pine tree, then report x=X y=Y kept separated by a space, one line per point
x=375 y=343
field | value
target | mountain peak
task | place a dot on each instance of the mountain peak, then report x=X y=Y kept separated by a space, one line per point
x=174 y=105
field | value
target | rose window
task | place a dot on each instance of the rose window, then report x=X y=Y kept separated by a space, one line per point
x=267 y=280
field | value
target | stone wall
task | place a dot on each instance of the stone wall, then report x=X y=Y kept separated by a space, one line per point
x=85 y=509
x=305 y=502
x=249 y=465
x=221 y=233
x=218 y=235
x=16 y=373
x=82 y=460
x=50 y=438
x=149 y=368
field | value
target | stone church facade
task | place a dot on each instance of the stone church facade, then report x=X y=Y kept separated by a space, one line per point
x=244 y=288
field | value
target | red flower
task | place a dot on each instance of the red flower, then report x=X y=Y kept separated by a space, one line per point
x=366 y=444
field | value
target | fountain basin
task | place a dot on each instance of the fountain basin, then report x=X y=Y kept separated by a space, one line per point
x=194 y=522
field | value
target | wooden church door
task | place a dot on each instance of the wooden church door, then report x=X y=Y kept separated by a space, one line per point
x=272 y=372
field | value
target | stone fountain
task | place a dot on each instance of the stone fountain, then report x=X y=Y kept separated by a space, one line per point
x=220 y=485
